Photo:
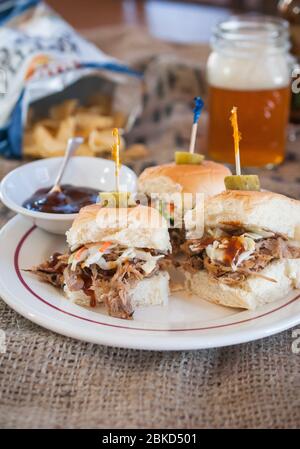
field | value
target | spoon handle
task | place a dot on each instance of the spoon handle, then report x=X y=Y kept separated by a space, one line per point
x=72 y=145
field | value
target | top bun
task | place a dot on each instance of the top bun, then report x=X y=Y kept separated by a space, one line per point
x=138 y=227
x=207 y=178
x=264 y=210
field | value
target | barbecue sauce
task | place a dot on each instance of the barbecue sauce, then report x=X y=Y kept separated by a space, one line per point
x=234 y=248
x=87 y=279
x=68 y=201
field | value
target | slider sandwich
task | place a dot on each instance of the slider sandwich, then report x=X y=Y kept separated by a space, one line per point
x=115 y=257
x=249 y=254
x=173 y=188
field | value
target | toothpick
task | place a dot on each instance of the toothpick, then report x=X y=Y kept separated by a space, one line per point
x=237 y=137
x=199 y=104
x=116 y=156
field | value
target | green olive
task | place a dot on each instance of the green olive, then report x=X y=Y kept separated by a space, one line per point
x=242 y=182
x=186 y=158
x=116 y=199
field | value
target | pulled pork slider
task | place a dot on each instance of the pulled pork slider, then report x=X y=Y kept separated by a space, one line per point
x=249 y=254
x=115 y=258
x=163 y=181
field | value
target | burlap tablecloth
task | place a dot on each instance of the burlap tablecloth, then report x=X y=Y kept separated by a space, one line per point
x=48 y=380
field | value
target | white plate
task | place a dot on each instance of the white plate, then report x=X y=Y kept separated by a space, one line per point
x=187 y=323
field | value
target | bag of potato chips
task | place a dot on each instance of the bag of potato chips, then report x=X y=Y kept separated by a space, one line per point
x=54 y=84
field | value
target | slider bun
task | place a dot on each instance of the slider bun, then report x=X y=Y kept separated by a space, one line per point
x=150 y=291
x=138 y=227
x=207 y=178
x=252 y=293
x=265 y=210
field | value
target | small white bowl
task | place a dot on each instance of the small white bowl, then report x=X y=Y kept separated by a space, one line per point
x=18 y=185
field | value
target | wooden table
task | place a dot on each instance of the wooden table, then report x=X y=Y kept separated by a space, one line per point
x=179 y=21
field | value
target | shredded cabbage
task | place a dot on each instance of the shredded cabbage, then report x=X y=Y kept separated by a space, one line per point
x=217 y=251
x=92 y=255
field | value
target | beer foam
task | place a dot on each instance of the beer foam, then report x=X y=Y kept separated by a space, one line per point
x=257 y=71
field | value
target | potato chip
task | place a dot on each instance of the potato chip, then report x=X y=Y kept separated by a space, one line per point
x=63 y=110
x=119 y=119
x=94 y=122
x=102 y=141
x=30 y=149
x=46 y=141
x=91 y=122
x=84 y=150
x=66 y=129
x=50 y=124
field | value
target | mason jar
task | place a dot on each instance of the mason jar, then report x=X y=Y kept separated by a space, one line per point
x=249 y=67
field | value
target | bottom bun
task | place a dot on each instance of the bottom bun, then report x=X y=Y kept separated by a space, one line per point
x=253 y=292
x=148 y=292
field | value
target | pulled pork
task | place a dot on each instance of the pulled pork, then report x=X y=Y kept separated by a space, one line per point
x=177 y=238
x=266 y=251
x=110 y=286
x=177 y=235
x=52 y=271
